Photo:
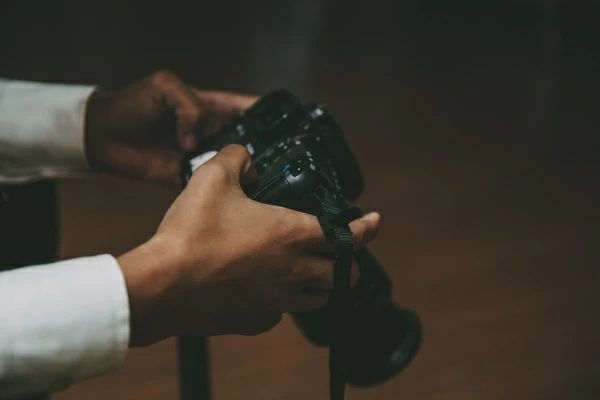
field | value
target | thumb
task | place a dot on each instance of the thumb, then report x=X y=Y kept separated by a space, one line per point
x=235 y=161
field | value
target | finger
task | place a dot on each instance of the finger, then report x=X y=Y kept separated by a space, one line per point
x=249 y=177
x=308 y=300
x=156 y=165
x=221 y=107
x=231 y=323
x=225 y=103
x=231 y=163
x=313 y=272
x=316 y=272
x=183 y=101
x=261 y=323
x=363 y=230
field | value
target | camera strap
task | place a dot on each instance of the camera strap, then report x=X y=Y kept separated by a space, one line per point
x=334 y=219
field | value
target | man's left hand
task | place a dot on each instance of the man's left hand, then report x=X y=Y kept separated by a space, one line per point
x=142 y=131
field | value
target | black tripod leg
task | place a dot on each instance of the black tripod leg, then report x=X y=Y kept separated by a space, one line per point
x=194 y=376
x=28 y=229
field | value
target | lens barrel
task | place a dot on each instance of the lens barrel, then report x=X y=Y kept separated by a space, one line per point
x=382 y=339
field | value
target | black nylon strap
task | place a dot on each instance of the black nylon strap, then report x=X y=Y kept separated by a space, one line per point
x=338 y=364
x=334 y=219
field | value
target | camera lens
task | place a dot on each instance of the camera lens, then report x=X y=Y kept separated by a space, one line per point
x=385 y=348
x=382 y=338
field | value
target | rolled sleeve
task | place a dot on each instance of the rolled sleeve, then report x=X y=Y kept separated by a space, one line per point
x=42 y=130
x=61 y=323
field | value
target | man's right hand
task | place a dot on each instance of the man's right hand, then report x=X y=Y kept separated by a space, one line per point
x=221 y=263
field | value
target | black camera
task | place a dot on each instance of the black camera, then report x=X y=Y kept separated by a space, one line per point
x=298 y=151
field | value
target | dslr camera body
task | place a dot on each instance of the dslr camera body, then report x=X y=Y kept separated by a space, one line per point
x=300 y=152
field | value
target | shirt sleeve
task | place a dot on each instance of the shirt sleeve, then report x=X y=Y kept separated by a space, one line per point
x=41 y=130
x=61 y=323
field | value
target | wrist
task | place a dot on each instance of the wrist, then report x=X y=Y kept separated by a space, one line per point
x=152 y=275
x=96 y=114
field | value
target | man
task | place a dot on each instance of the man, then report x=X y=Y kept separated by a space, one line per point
x=219 y=262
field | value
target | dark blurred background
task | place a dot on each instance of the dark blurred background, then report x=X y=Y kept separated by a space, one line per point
x=476 y=124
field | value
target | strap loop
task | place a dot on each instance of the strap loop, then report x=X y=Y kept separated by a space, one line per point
x=334 y=218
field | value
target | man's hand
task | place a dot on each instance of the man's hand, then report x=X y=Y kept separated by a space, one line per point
x=221 y=263
x=142 y=130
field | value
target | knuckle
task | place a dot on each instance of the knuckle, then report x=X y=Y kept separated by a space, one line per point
x=196 y=113
x=298 y=272
x=320 y=301
x=194 y=110
x=325 y=274
x=238 y=150
x=358 y=234
x=291 y=227
x=263 y=324
x=163 y=78
x=215 y=171
x=307 y=228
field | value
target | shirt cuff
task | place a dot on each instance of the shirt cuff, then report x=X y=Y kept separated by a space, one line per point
x=42 y=130
x=62 y=323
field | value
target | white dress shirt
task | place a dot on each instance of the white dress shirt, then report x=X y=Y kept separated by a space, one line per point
x=67 y=321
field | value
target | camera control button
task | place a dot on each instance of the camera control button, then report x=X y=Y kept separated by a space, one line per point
x=296 y=171
x=269 y=152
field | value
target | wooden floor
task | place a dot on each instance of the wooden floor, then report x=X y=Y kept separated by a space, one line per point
x=477 y=129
